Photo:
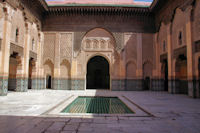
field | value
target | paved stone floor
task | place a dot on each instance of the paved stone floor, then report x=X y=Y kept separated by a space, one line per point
x=24 y=113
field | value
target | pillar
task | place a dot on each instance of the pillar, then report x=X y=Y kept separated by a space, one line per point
x=23 y=70
x=139 y=71
x=77 y=83
x=171 y=77
x=21 y=83
x=190 y=65
x=39 y=64
x=56 y=78
x=34 y=75
x=157 y=81
x=5 y=52
x=38 y=80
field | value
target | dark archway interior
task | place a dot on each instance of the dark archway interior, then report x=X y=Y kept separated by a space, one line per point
x=48 y=82
x=98 y=76
x=147 y=83
x=199 y=75
x=181 y=74
x=30 y=74
x=166 y=75
x=12 y=79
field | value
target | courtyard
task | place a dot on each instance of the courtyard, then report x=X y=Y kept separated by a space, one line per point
x=30 y=112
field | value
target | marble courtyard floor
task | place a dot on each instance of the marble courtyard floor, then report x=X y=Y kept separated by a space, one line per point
x=29 y=112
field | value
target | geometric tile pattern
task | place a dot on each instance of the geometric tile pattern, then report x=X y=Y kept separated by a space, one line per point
x=3 y=86
x=78 y=84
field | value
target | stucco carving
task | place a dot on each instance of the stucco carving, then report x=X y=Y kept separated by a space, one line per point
x=48 y=67
x=179 y=25
x=78 y=36
x=65 y=69
x=162 y=38
x=66 y=46
x=49 y=46
x=18 y=24
x=119 y=41
x=130 y=46
x=97 y=44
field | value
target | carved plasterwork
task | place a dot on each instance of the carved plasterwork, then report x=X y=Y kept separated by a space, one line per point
x=66 y=46
x=119 y=41
x=33 y=55
x=97 y=44
x=49 y=46
x=1 y=21
x=78 y=36
x=18 y=23
x=17 y=49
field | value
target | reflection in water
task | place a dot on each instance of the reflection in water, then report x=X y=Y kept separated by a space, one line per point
x=98 y=105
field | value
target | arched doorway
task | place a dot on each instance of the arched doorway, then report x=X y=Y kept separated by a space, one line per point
x=165 y=74
x=30 y=73
x=181 y=74
x=147 y=74
x=98 y=76
x=199 y=75
x=48 y=82
x=49 y=71
x=12 y=79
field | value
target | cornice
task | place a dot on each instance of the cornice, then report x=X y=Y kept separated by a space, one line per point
x=99 y=10
x=44 y=4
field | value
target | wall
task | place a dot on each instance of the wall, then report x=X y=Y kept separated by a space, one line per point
x=122 y=56
x=16 y=16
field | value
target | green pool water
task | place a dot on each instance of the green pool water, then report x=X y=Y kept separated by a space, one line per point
x=97 y=105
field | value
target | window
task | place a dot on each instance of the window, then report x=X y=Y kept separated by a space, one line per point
x=164 y=46
x=180 y=38
x=17 y=35
x=33 y=44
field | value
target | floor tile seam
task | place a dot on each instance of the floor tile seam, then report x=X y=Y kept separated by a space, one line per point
x=48 y=127
x=19 y=126
x=62 y=129
x=78 y=127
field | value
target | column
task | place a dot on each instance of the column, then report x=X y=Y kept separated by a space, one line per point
x=37 y=80
x=74 y=85
x=23 y=74
x=157 y=82
x=139 y=71
x=77 y=81
x=169 y=58
x=34 y=76
x=56 y=78
x=190 y=66
x=41 y=76
x=20 y=81
x=40 y=80
x=5 y=52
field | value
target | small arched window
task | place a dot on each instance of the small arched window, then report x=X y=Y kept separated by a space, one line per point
x=33 y=44
x=164 y=46
x=17 y=35
x=180 y=36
